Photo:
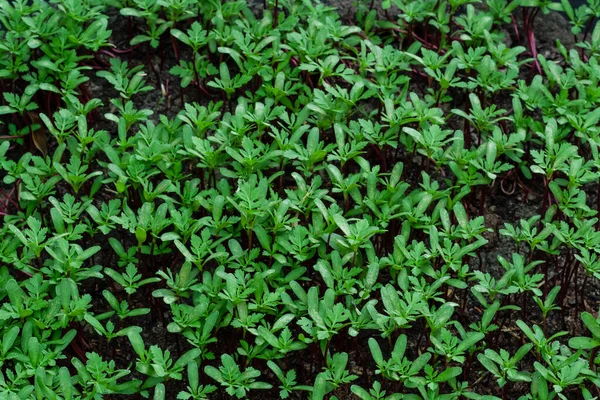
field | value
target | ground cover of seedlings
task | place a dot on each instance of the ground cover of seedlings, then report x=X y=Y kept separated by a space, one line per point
x=220 y=199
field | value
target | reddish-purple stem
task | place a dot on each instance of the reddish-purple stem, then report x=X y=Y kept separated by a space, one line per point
x=528 y=18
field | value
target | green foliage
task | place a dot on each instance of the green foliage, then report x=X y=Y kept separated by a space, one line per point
x=279 y=202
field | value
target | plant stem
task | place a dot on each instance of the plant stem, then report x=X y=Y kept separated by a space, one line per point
x=585 y=278
x=275 y=14
x=588 y=27
x=528 y=18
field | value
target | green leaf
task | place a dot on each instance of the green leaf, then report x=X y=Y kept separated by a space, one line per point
x=65 y=383
x=140 y=235
x=213 y=373
x=470 y=341
x=138 y=343
x=568 y=9
x=169 y=237
x=9 y=339
x=159 y=392
x=461 y=215
x=596 y=35
x=15 y=293
x=187 y=357
x=95 y=324
x=375 y=351
x=283 y=321
x=342 y=224
x=448 y=374
x=130 y=12
x=523 y=350
x=591 y=323
x=320 y=387
x=88 y=253
x=488 y=364
x=539 y=386
x=581 y=342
